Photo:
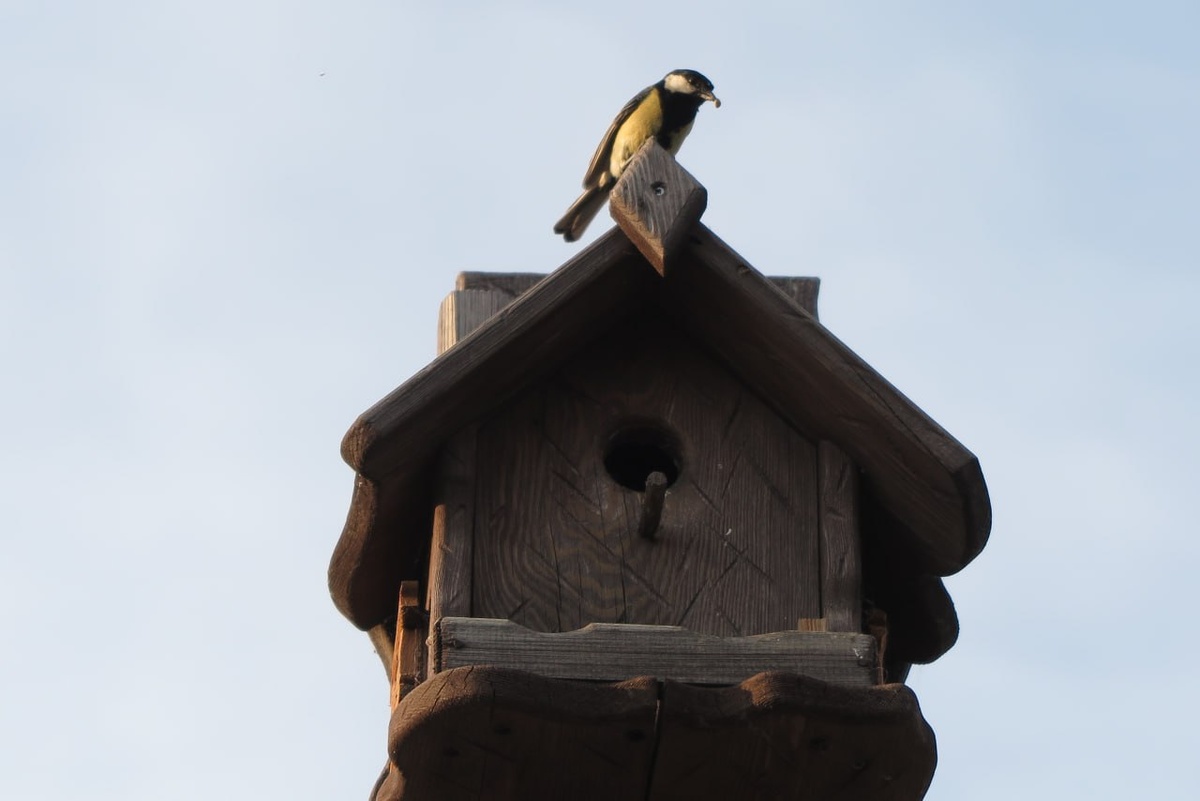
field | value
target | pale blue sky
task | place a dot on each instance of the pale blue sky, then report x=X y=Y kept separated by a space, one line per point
x=225 y=229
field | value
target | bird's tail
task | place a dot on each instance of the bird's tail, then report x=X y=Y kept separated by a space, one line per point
x=582 y=211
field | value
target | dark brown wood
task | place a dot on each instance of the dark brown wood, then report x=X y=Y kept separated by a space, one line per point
x=929 y=487
x=463 y=311
x=652 y=503
x=656 y=203
x=511 y=284
x=393 y=444
x=841 y=564
x=453 y=542
x=386 y=537
x=485 y=734
x=777 y=736
x=408 y=666
x=802 y=291
x=383 y=640
x=612 y=652
x=525 y=338
x=736 y=551
x=930 y=482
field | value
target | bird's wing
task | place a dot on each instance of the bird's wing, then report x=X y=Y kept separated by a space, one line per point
x=599 y=164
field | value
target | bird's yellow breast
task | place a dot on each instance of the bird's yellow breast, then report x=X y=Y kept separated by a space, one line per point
x=644 y=122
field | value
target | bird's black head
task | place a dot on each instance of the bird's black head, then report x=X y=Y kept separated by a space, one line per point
x=690 y=82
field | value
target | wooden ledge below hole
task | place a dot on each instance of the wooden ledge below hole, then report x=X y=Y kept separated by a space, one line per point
x=615 y=651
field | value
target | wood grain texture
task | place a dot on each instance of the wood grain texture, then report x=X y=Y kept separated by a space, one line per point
x=841 y=563
x=556 y=537
x=656 y=203
x=485 y=734
x=526 y=338
x=385 y=537
x=932 y=485
x=787 y=737
x=932 y=488
x=408 y=666
x=452 y=547
x=614 y=652
x=392 y=446
x=463 y=311
x=802 y=291
x=511 y=284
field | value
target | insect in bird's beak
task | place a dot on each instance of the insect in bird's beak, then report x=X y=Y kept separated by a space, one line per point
x=710 y=96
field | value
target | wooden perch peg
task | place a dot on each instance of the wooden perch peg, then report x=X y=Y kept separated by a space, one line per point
x=652 y=504
x=656 y=203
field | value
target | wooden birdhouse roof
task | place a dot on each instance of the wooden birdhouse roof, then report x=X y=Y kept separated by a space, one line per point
x=927 y=504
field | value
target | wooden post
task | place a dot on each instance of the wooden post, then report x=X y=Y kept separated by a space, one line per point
x=408 y=665
x=841 y=563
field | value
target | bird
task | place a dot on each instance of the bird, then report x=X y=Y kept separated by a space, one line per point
x=663 y=112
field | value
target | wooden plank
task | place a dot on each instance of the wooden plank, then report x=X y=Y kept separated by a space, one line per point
x=408 y=665
x=656 y=202
x=610 y=652
x=777 y=736
x=802 y=291
x=463 y=311
x=930 y=482
x=485 y=734
x=841 y=563
x=452 y=546
x=511 y=284
x=735 y=551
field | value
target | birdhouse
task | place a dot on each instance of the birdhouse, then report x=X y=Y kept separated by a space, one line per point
x=647 y=529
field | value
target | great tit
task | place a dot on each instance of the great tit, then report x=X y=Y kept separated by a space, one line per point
x=664 y=111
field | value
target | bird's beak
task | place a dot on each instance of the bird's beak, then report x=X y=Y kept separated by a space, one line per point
x=710 y=96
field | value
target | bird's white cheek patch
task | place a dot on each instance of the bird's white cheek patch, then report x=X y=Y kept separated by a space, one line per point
x=678 y=83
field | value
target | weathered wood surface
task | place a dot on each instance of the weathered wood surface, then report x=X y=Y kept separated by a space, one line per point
x=453 y=543
x=778 y=736
x=652 y=503
x=392 y=444
x=484 y=734
x=477 y=297
x=932 y=485
x=841 y=565
x=408 y=665
x=556 y=543
x=528 y=337
x=656 y=203
x=511 y=284
x=613 y=652
x=802 y=290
